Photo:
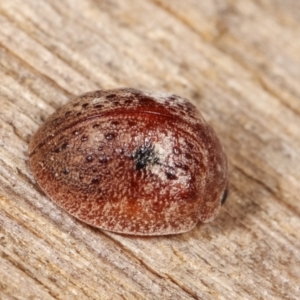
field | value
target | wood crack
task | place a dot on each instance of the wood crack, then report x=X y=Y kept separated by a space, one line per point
x=149 y=268
x=27 y=272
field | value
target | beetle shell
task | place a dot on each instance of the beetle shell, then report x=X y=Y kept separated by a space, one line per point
x=130 y=161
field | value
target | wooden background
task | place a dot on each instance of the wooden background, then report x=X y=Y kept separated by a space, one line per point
x=239 y=62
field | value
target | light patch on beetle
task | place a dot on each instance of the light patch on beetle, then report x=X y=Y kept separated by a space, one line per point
x=157 y=170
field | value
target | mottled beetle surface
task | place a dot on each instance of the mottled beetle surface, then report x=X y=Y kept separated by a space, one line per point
x=130 y=161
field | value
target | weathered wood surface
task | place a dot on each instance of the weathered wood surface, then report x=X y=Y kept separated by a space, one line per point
x=239 y=62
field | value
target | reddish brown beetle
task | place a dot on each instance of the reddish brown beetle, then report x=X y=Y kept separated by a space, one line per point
x=130 y=161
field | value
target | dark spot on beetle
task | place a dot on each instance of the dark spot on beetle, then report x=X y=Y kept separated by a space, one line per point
x=96 y=125
x=39 y=146
x=55 y=121
x=127 y=102
x=84 y=138
x=188 y=156
x=115 y=123
x=68 y=113
x=224 y=196
x=95 y=180
x=172 y=98
x=111 y=96
x=146 y=100
x=178 y=165
x=181 y=166
x=144 y=156
x=78 y=114
x=127 y=99
x=64 y=146
x=189 y=106
x=103 y=159
x=131 y=123
x=98 y=106
x=57 y=150
x=110 y=136
x=85 y=105
x=173 y=109
x=171 y=175
x=89 y=158
x=66 y=171
x=190 y=145
x=180 y=106
x=75 y=104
